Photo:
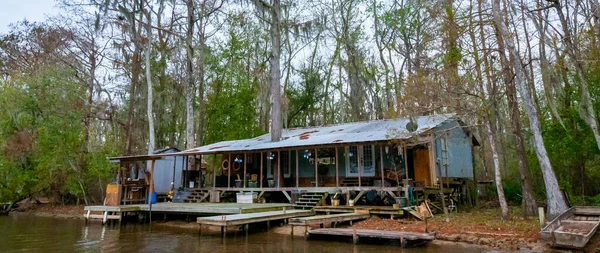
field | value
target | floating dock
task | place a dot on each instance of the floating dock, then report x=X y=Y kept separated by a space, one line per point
x=225 y=221
x=406 y=239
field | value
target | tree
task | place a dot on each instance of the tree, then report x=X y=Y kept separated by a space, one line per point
x=274 y=9
x=556 y=202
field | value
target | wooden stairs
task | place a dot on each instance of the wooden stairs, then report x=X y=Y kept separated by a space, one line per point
x=349 y=182
x=191 y=196
x=311 y=199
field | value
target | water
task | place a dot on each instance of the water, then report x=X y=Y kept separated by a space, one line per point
x=28 y=233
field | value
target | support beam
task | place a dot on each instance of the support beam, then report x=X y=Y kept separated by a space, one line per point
x=278 y=169
x=261 y=170
x=214 y=172
x=405 y=158
x=337 y=169
x=359 y=163
x=316 y=168
x=358 y=196
x=297 y=170
x=381 y=163
x=229 y=172
x=287 y=196
x=245 y=162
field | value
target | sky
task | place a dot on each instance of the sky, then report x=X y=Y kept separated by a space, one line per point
x=18 y=10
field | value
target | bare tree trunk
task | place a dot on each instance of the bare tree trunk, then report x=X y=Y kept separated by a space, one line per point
x=200 y=64
x=529 y=206
x=276 y=123
x=189 y=80
x=386 y=70
x=556 y=202
x=135 y=79
x=498 y=175
x=149 y=80
x=586 y=109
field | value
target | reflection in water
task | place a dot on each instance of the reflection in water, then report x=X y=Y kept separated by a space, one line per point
x=26 y=233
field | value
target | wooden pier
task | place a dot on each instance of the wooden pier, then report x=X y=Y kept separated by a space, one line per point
x=406 y=239
x=116 y=212
x=225 y=221
x=377 y=210
x=322 y=219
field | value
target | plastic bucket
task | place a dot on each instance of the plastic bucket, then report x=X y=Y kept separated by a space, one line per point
x=152 y=198
x=335 y=202
x=238 y=183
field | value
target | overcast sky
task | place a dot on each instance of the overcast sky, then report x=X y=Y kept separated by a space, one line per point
x=18 y=10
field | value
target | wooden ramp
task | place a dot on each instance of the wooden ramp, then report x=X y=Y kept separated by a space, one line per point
x=573 y=228
x=225 y=221
x=406 y=239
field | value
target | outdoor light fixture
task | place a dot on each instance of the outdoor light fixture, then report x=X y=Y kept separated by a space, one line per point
x=307 y=154
x=238 y=160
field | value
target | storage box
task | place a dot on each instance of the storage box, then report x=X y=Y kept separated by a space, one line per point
x=246 y=197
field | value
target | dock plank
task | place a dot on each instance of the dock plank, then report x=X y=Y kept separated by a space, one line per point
x=406 y=238
x=247 y=218
x=321 y=219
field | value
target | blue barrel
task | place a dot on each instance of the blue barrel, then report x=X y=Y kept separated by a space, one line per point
x=153 y=198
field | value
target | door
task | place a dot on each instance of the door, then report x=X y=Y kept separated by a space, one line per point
x=421 y=166
x=364 y=154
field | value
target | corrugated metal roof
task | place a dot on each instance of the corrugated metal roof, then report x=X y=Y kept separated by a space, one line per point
x=366 y=131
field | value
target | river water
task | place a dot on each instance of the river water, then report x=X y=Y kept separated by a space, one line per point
x=29 y=233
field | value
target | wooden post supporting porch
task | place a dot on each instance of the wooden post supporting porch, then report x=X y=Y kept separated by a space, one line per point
x=316 y=168
x=151 y=191
x=278 y=169
x=261 y=170
x=381 y=162
x=359 y=163
x=229 y=171
x=337 y=169
x=245 y=162
x=297 y=173
x=214 y=182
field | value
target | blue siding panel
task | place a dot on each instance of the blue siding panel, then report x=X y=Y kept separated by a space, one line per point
x=460 y=159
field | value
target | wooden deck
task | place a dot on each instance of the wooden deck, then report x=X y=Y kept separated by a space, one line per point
x=332 y=218
x=377 y=210
x=242 y=219
x=225 y=221
x=405 y=238
x=116 y=212
x=195 y=208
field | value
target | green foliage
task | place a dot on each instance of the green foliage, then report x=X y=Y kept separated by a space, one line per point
x=41 y=132
x=231 y=110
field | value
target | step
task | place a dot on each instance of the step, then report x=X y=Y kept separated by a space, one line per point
x=306 y=203
x=313 y=195
x=303 y=207
x=308 y=200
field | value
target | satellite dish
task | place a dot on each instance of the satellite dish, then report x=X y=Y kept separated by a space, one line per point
x=412 y=125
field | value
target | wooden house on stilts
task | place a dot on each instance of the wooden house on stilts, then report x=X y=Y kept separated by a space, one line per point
x=352 y=159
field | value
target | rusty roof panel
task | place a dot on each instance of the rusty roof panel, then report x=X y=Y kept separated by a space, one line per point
x=366 y=131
